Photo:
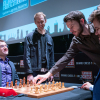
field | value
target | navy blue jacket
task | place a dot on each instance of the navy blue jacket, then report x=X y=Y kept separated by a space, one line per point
x=32 y=52
x=14 y=74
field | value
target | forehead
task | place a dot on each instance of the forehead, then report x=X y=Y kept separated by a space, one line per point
x=70 y=22
x=39 y=17
x=96 y=23
x=2 y=43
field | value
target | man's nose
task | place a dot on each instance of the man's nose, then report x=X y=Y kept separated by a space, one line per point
x=96 y=33
x=71 y=30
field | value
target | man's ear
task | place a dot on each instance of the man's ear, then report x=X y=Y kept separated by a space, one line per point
x=82 y=21
x=34 y=21
x=45 y=20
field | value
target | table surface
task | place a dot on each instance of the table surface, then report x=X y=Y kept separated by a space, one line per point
x=76 y=94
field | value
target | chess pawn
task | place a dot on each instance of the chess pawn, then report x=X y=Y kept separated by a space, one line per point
x=63 y=85
x=11 y=84
x=53 y=82
x=31 y=83
x=20 y=85
x=27 y=83
x=41 y=89
x=20 y=82
x=59 y=85
x=56 y=86
x=31 y=90
x=45 y=89
x=52 y=86
x=49 y=85
x=36 y=90
x=7 y=86
x=15 y=85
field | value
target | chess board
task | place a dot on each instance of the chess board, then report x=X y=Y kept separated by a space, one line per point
x=38 y=91
x=30 y=92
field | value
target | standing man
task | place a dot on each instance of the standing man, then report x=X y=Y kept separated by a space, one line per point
x=84 y=40
x=7 y=68
x=39 y=49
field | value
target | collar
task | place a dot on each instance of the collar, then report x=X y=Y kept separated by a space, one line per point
x=91 y=30
x=6 y=60
x=38 y=33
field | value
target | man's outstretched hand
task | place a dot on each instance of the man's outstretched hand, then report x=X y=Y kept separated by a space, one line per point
x=41 y=78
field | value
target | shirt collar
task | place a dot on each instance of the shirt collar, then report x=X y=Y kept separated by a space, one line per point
x=6 y=60
x=39 y=34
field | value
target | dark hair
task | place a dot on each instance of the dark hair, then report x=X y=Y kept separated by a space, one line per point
x=94 y=14
x=2 y=40
x=75 y=15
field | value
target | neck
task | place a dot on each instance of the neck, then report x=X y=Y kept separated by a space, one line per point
x=41 y=31
x=85 y=30
x=3 y=58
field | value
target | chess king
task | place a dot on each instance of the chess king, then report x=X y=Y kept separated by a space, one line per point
x=7 y=68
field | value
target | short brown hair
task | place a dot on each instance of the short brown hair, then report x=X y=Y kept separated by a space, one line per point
x=94 y=14
x=38 y=14
x=2 y=40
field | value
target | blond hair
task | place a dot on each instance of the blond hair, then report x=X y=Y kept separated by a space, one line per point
x=38 y=14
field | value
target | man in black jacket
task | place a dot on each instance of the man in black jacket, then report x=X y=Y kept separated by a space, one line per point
x=38 y=49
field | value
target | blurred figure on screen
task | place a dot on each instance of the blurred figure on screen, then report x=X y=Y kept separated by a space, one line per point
x=38 y=49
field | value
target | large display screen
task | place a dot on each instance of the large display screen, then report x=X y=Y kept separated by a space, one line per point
x=17 y=16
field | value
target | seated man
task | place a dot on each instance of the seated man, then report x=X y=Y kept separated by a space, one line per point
x=87 y=86
x=7 y=68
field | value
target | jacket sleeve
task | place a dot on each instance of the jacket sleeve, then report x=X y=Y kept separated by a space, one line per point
x=52 y=56
x=62 y=62
x=27 y=60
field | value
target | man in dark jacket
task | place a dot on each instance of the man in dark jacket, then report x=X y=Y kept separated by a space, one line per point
x=7 y=68
x=38 y=49
x=95 y=19
x=84 y=40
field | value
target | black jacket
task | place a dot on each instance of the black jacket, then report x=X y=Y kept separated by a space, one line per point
x=32 y=52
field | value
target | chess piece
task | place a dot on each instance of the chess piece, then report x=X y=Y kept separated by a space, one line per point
x=27 y=83
x=7 y=85
x=49 y=85
x=63 y=85
x=20 y=82
x=31 y=83
x=24 y=82
x=53 y=82
x=11 y=84
x=41 y=88
x=20 y=85
x=45 y=89
x=59 y=85
x=36 y=90
x=31 y=90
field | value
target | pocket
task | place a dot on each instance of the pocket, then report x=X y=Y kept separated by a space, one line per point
x=33 y=50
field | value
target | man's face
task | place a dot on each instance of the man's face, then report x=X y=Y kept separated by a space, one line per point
x=3 y=49
x=40 y=22
x=97 y=27
x=75 y=27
